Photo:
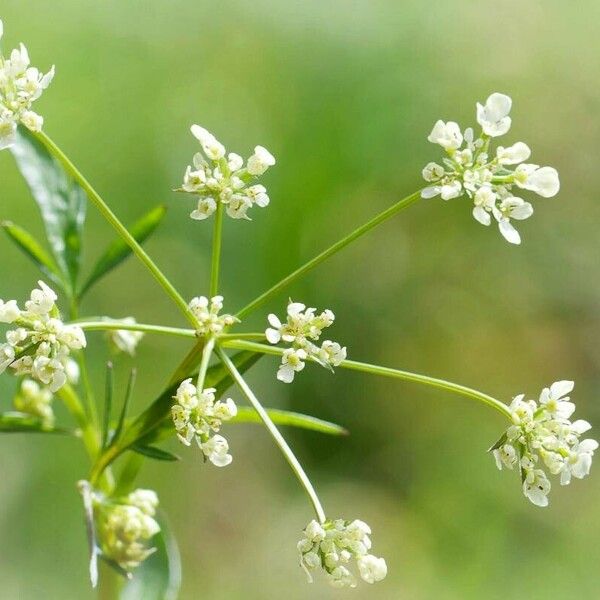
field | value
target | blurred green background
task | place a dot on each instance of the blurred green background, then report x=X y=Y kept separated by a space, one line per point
x=344 y=94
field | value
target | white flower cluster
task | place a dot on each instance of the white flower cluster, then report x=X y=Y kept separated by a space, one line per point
x=20 y=86
x=302 y=328
x=207 y=313
x=33 y=399
x=542 y=434
x=41 y=343
x=332 y=545
x=125 y=340
x=487 y=179
x=198 y=416
x=216 y=178
x=125 y=526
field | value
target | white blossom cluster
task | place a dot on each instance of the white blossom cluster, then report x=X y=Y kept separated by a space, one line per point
x=486 y=178
x=217 y=178
x=332 y=545
x=20 y=86
x=302 y=328
x=40 y=344
x=542 y=434
x=207 y=312
x=35 y=400
x=198 y=416
x=125 y=340
x=125 y=526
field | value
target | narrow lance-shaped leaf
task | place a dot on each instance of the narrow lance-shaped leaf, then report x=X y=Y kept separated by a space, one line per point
x=159 y=576
x=108 y=400
x=125 y=407
x=18 y=422
x=61 y=201
x=154 y=453
x=33 y=250
x=118 y=251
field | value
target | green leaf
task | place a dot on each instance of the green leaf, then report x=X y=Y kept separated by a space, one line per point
x=125 y=407
x=61 y=201
x=155 y=453
x=118 y=251
x=247 y=414
x=108 y=400
x=32 y=249
x=159 y=576
x=18 y=422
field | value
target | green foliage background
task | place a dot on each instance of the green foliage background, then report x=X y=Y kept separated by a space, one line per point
x=344 y=94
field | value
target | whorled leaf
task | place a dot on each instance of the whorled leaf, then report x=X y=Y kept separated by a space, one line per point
x=118 y=251
x=61 y=201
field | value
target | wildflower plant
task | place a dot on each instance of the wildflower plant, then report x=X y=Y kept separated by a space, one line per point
x=47 y=337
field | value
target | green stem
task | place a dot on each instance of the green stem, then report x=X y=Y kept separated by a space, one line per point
x=276 y=435
x=119 y=326
x=388 y=372
x=88 y=433
x=206 y=354
x=317 y=260
x=241 y=336
x=216 y=250
x=108 y=214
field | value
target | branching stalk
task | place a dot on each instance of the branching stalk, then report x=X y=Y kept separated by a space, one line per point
x=216 y=250
x=386 y=372
x=276 y=435
x=317 y=260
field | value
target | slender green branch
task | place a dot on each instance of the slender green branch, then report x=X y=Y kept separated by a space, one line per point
x=216 y=250
x=388 y=372
x=276 y=435
x=206 y=354
x=107 y=325
x=108 y=214
x=317 y=260
x=242 y=336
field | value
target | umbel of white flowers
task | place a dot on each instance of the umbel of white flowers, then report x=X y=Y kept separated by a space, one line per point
x=20 y=86
x=331 y=546
x=197 y=416
x=488 y=179
x=302 y=328
x=216 y=178
x=40 y=344
x=125 y=526
x=207 y=313
x=542 y=434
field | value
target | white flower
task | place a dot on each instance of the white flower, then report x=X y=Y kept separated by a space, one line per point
x=542 y=435
x=216 y=450
x=145 y=500
x=493 y=117
x=511 y=208
x=487 y=179
x=541 y=180
x=126 y=340
x=332 y=545
x=536 y=487
x=260 y=161
x=20 y=86
x=292 y=362
x=513 y=155
x=219 y=181
x=332 y=353
x=447 y=135
x=371 y=568
x=9 y=311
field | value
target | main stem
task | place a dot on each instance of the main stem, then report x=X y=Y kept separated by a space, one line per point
x=317 y=260
x=206 y=354
x=387 y=372
x=108 y=214
x=216 y=250
x=279 y=439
